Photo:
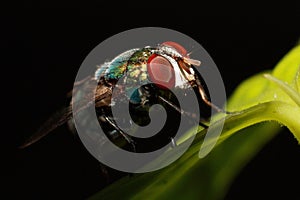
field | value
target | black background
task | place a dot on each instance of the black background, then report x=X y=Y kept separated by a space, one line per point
x=44 y=44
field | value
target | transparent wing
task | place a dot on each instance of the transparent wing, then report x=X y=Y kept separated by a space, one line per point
x=101 y=97
x=56 y=120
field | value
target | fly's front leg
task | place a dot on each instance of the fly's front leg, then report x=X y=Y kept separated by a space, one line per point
x=205 y=98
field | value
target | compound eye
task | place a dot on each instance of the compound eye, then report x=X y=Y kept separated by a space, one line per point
x=161 y=71
x=180 y=49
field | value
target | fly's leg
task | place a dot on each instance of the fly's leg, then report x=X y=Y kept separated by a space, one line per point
x=204 y=97
x=190 y=115
x=173 y=143
x=124 y=135
x=128 y=139
x=105 y=173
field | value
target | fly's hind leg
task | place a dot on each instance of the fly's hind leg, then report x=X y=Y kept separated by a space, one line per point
x=128 y=139
x=124 y=135
x=105 y=173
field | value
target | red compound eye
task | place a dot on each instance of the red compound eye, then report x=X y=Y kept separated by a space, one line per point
x=161 y=71
x=180 y=49
x=176 y=46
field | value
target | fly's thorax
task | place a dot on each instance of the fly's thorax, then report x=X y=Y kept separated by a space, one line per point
x=136 y=74
x=116 y=68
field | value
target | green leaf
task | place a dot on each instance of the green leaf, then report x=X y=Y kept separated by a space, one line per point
x=294 y=95
x=288 y=68
x=297 y=80
x=257 y=89
x=192 y=178
x=261 y=105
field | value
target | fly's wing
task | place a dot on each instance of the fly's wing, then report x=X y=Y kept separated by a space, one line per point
x=57 y=119
x=101 y=97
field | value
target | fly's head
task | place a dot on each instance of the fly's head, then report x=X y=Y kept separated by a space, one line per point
x=170 y=66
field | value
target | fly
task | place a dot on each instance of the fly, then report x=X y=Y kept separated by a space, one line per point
x=157 y=69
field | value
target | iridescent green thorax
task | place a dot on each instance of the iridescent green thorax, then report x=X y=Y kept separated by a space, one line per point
x=128 y=70
x=136 y=74
x=137 y=67
x=132 y=62
x=116 y=71
x=118 y=66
